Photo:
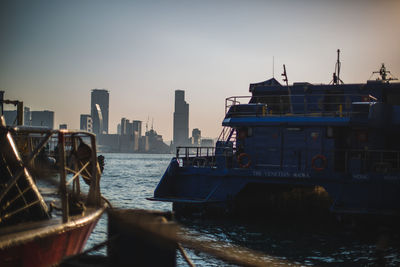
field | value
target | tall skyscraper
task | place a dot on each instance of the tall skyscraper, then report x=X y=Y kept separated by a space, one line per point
x=99 y=110
x=181 y=119
x=137 y=127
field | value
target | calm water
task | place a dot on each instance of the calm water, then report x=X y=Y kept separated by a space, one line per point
x=129 y=178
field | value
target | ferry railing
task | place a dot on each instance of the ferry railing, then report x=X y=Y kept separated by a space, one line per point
x=196 y=156
x=337 y=105
x=347 y=161
x=72 y=161
x=235 y=100
x=355 y=161
x=228 y=134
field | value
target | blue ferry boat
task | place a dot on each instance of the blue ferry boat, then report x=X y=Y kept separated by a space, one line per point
x=297 y=148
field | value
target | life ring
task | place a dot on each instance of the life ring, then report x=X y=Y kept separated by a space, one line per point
x=240 y=160
x=323 y=160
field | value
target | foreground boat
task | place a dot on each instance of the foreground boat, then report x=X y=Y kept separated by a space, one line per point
x=297 y=149
x=45 y=217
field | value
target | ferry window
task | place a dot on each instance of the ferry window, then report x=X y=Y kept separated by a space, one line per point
x=329 y=132
x=295 y=129
x=250 y=132
x=242 y=133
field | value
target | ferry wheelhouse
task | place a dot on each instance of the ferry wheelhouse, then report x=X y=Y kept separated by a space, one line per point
x=297 y=148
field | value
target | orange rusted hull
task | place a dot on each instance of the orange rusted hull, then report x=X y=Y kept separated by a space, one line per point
x=48 y=245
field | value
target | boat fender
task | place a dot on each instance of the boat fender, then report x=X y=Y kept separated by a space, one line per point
x=318 y=162
x=243 y=163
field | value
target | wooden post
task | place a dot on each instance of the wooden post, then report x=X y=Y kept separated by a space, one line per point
x=76 y=184
x=94 y=190
x=20 y=113
x=63 y=187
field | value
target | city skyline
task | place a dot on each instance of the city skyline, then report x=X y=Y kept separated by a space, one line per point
x=54 y=52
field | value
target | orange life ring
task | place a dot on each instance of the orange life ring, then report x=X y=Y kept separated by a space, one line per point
x=240 y=158
x=323 y=162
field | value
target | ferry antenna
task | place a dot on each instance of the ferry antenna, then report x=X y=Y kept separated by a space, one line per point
x=284 y=74
x=285 y=79
x=384 y=74
x=273 y=67
x=336 y=75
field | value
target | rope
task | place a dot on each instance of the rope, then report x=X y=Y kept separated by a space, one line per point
x=108 y=202
x=185 y=256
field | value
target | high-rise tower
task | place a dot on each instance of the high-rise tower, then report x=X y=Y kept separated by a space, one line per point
x=181 y=119
x=99 y=110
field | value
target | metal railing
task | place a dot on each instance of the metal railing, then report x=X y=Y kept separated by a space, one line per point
x=196 y=156
x=339 y=105
x=70 y=163
x=356 y=161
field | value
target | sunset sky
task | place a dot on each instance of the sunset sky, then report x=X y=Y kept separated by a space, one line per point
x=52 y=53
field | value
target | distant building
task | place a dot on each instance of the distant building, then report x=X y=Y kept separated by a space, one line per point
x=109 y=142
x=130 y=138
x=124 y=126
x=137 y=127
x=99 y=110
x=27 y=116
x=119 y=129
x=181 y=119
x=11 y=117
x=43 y=118
x=144 y=144
x=86 y=123
x=196 y=137
x=153 y=143
x=129 y=128
x=207 y=142
x=63 y=126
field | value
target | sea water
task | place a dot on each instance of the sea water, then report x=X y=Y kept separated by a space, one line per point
x=128 y=179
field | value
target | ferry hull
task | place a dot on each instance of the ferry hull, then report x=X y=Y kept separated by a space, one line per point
x=246 y=188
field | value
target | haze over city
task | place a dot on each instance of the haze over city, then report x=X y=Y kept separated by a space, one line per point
x=53 y=53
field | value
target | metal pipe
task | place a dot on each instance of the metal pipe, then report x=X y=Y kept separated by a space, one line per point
x=16 y=176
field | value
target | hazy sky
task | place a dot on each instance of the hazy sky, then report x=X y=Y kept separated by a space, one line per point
x=52 y=53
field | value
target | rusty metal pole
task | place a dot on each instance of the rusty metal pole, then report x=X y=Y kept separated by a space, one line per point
x=94 y=190
x=20 y=113
x=63 y=186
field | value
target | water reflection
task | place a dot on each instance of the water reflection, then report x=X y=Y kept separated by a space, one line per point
x=300 y=244
x=129 y=178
